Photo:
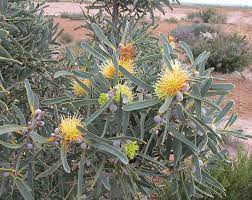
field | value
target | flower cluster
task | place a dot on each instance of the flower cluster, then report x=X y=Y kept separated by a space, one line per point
x=172 y=81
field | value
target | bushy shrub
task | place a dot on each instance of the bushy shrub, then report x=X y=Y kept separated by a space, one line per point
x=28 y=45
x=128 y=111
x=228 y=52
x=190 y=33
x=208 y=16
x=172 y=20
x=235 y=177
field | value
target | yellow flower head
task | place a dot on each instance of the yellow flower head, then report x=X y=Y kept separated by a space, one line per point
x=171 y=41
x=131 y=149
x=103 y=98
x=171 y=82
x=127 y=52
x=68 y=128
x=78 y=90
x=108 y=68
x=123 y=91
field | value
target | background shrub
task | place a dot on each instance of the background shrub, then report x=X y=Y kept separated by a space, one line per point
x=208 y=16
x=228 y=52
x=235 y=177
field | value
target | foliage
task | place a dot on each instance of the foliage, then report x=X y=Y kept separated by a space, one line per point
x=208 y=16
x=126 y=111
x=235 y=177
x=27 y=45
x=172 y=20
x=190 y=33
x=228 y=52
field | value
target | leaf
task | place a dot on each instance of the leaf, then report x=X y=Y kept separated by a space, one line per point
x=105 y=181
x=148 y=58
x=82 y=74
x=11 y=128
x=197 y=166
x=166 y=104
x=57 y=100
x=201 y=59
x=10 y=146
x=80 y=176
x=110 y=149
x=38 y=138
x=84 y=102
x=183 y=139
x=30 y=96
x=95 y=53
x=140 y=105
x=187 y=50
x=50 y=170
x=62 y=73
x=63 y=152
x=3 y=106
x=98 y=112
x=136 y=80
x=101 y=36
x=23 y=188
x=3 y=59
x=224 y=111
x=19 y=114
x=69 y=56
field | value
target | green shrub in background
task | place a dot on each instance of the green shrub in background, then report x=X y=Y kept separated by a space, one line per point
x=228 y=52
x=208 y=16
x=128 y=111
x=235 y=177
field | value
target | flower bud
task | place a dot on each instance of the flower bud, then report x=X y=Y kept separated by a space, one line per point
x=113 y=107
x=117 y=143
x=179 y=97
x=29 y=146
x=56 y=130
x=83 y=146
x=196 y=73
x=158 y=119
x=41 y=123
x=185 y=88
x=38 y=112
x=5 y=174
x=88 y=163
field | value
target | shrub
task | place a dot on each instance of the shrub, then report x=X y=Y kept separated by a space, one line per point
x=172 y=20
x=208 y=16
x=190 y=33
x=228 y=52
x=128 y=111
x=28 y=45
x=235 y=177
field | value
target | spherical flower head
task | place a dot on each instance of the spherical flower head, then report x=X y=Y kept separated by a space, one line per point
x=171 y=41
x=171 y=81
x=78 y=90
x=131 y=149
x=68 y=129
x=127 y=52
x=123 y=91
x=108 y=69
x=103 y=98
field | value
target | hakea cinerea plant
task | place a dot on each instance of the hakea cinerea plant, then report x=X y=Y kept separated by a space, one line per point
x=123 y=133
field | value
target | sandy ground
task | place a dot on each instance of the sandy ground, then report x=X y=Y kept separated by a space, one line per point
x=238 y=20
